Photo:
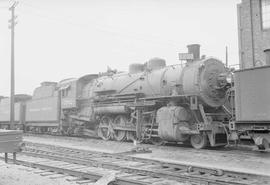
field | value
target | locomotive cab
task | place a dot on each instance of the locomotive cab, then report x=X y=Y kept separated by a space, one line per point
x=75 y=98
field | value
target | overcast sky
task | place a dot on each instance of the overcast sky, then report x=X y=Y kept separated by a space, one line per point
x=57 y=39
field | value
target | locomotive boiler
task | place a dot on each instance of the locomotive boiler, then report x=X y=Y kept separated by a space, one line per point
x=164 y=103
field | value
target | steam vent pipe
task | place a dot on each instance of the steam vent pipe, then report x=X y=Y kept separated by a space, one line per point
x=195 y=50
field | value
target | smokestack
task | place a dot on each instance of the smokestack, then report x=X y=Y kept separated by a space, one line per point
x=267 y=56
x=195 y=50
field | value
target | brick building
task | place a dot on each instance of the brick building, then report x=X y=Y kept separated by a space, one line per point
x=254 y=33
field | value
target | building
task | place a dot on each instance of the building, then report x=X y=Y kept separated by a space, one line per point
x=254 y=33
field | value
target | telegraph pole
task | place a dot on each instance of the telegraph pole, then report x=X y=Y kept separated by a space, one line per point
x=12 y=80
x=226 y=57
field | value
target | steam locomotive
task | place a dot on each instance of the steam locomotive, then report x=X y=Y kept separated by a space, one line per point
x=151 y=102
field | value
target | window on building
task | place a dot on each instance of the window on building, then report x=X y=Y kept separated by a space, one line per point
x=265 y=14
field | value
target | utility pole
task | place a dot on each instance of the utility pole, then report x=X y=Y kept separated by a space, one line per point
x=12 y=78
x=227 y=57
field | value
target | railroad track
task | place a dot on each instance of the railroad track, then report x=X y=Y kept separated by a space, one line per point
x=133 y=170
x=80 y=173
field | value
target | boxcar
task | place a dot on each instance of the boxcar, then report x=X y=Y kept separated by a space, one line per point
x=252 y=104
x=19 y=110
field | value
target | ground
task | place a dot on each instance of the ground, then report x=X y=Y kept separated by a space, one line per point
x=12 y=174
x=228 y=158
x=243 y=160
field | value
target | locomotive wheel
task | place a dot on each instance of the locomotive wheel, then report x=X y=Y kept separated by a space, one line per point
x=119 y=135
x=103 y=129
x=199 y=141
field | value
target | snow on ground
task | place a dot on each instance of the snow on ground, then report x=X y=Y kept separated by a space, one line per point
x=236 y=160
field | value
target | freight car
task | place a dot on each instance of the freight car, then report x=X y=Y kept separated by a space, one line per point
x=252 y=106
x=152 y=102
x=19 y=110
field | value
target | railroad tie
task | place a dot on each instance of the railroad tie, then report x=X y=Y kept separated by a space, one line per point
x=58 y=176
x=85 y=181
x=151 y=180
x=169 y=182
x=72 y=178
x=39 y=171
x=106 y=179
x=47 y=173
